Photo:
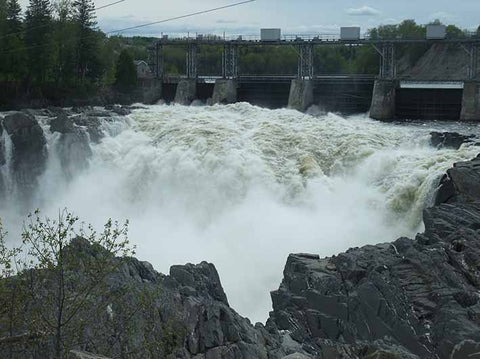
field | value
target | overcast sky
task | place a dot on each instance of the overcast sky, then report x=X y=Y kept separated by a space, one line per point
x=293 y=16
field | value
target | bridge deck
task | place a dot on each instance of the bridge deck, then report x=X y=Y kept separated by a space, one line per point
x=313 y=41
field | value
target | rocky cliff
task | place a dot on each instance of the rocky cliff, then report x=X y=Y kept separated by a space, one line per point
x=413 y=298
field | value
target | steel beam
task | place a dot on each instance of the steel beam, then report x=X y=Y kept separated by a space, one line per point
x=305 y=61
x=230 y=61
x=388 y=63
x=191 y=67
x=472 y=51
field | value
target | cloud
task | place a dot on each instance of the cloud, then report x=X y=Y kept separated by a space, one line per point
x=363 y=11
x=443 y=16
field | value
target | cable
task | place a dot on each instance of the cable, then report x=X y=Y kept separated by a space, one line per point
x=46 y=25
x=143 y=25
x=181 y=17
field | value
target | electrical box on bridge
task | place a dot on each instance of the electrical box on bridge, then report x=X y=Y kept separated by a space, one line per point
x=270 y=34
x=436 y=32
x=350 y=33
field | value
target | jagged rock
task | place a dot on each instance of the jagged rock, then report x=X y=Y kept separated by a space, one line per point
x=29 y=150
x=84 y=355
x=119 y=110
x=73 y=148
x=449 y=139
x=62 y=123
x=297 y=356
x=409 y=299
x=93 y=126
x=2 y=147
x=461 y=183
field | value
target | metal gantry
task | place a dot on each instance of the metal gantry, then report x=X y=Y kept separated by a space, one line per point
x=305 y=51
x=472 y=51
x=230 y=61
x=305 y=61
x=388 y=65
x=192 y=52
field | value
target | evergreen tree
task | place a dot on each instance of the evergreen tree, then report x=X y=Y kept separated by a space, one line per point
x=65 y=31
x=87 y=40
x=126 y=72
x=38 y=38
x=15 y=66
x=3 y=30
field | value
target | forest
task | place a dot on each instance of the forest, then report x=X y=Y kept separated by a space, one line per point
x=55 y=50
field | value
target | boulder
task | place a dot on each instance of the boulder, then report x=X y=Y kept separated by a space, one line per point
x=62 y=123
x=449 y=139
x=461 y=184
x=29 y=149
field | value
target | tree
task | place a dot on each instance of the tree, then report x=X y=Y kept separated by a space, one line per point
x=64 y=275
x=87 y=47
x=65 y=67
x=38 y=23
x=126 y=72
x=15 y=66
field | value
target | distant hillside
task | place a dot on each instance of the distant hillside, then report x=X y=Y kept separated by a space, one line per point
x=440 y=62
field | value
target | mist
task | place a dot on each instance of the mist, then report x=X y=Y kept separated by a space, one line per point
x=243 y=187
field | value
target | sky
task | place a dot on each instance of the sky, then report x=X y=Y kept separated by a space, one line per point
x=292 y=16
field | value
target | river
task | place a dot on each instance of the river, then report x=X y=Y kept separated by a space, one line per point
x=242 y=187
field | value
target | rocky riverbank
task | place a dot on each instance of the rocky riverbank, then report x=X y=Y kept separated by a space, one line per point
x=413 y=298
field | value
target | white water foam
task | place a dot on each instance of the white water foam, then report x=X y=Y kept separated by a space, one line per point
x=243 y=187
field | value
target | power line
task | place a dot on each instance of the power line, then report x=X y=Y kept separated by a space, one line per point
x=181 y=17
x=142 y=25
x=46 y=25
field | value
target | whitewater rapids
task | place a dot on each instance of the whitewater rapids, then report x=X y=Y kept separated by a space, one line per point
x=242 y=187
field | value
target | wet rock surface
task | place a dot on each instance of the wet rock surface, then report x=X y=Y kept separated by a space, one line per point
x=450 y=139
x=29 y=149
x=410 y=298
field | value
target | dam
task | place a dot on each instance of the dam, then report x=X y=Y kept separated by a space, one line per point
x=387 y=95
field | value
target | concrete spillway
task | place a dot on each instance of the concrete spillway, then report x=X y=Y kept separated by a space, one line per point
x=385 y=99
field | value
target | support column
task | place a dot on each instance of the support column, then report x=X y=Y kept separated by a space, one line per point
x=153 y=93
x=186 y=92
x=225 y=91
x=192 y=61
x=471 y=102
x=305 y=61
x=230 y=61
x=388 y=64
x=383 y=100
x=301 y=94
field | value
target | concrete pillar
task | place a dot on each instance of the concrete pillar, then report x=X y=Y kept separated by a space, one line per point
x=225 y=91
x=471 y=102
x=153 y=92
x=301 y=94
x=186 y=92
x=383 y=100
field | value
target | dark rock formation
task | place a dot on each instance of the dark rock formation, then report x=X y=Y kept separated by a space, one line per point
x=461 y=184
x=119 y=110
x=406 y=299
x=449 y=139
x=2 y=148
x=29 y=151
x=92 y=124
x=73 y=148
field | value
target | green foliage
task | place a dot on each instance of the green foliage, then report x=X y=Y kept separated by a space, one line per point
x=62 y=276
x=38 y=39
x=126 y=72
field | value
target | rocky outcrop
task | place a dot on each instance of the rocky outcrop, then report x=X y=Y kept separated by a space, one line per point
x=461 y=184
x=29 y=151
x=452 y=140
x=73 y=148
x=407 y=299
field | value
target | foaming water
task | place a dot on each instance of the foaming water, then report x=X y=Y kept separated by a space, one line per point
x=243 y=187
